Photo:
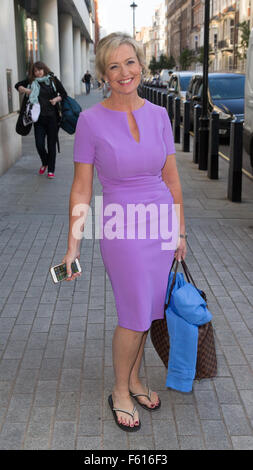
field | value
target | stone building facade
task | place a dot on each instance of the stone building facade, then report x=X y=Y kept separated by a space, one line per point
x=58 y=32
x=185 y=29
x=225 y=34
x=184 y=26
x=159 y=31
x=145 y=36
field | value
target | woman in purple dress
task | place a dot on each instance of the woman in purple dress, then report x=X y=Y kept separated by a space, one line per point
x=130 y=142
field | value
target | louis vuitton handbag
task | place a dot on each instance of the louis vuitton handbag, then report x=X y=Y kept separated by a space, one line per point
x=206 y=365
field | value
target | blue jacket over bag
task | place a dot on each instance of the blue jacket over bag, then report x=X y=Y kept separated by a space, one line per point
x=186 y=311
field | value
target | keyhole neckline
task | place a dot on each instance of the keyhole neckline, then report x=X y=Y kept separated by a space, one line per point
x=125 y=112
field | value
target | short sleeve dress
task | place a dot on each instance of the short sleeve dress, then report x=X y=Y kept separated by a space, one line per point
x=139 y=226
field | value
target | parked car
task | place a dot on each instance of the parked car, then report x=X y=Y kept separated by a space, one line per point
x=225 y=96
x=248 y=123
x=147 y=81
x=156 y=81
x=178 y=85
x=152 y=81
x=194 y=93
x=165 y=77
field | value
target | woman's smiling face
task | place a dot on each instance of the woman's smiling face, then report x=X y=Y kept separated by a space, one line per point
x=123 y=70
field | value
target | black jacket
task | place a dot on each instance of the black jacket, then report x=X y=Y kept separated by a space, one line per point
x=60 y=90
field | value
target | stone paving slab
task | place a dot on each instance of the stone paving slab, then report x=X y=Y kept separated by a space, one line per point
x=55 y=341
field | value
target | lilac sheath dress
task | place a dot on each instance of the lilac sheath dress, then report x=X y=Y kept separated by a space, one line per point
x=130 y=174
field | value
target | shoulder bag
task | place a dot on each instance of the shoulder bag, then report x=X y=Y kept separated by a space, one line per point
x=69 y=110
x=206 y=366
x=21 y=128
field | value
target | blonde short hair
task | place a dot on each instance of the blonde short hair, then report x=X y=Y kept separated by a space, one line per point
x=111 y=42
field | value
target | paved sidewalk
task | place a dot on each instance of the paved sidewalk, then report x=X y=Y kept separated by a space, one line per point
x=55 y=341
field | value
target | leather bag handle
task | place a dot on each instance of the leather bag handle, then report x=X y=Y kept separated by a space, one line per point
x=187 y=274
x=191 y=280
x=173 y=282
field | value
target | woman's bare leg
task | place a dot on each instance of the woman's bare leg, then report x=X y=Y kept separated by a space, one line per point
x=135 y=384
x=125 y=346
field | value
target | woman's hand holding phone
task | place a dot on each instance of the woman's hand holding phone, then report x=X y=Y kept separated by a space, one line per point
x=69 y=258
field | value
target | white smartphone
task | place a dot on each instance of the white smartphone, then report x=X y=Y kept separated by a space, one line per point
x=59 y=272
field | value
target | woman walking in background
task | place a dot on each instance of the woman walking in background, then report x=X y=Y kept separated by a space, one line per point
x=45 y=88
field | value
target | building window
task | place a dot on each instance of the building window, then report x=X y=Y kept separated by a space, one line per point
x=225 y=29
x=32 y=49
x=215 y=40
x=232 y=31
x=215 y=7
x=196 y=40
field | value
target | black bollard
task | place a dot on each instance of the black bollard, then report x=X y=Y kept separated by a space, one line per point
x=158 y=100
x=155 y=96
x=161 y=98
x=170 y=104
x=149 y=93
x=235 y=164
x=203 y=141
x=197 y=113
x=213 y=148
x=164 y=99
x=176 y=123
x=186 y=127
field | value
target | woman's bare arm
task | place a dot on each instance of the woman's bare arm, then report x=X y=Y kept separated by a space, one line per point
x=81 y=194
x=171 y=178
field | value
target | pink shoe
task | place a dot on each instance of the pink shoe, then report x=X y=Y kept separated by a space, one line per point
x=42 y=170
x=51 y=175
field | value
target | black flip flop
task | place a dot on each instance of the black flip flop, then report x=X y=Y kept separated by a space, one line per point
x=135 y=395
x=122 y=426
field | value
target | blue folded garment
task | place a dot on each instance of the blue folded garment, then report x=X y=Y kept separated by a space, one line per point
x=186 y=311
x=183 y=352
x=188 y=304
